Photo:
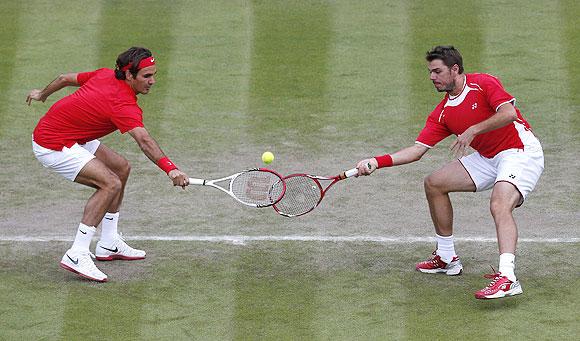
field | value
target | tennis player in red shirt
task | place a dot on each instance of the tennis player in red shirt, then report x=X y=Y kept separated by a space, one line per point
x=508 y=159
x=66 y=141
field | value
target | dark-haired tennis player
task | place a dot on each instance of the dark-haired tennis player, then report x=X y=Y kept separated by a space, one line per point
x=66 y=141
x=508 y=159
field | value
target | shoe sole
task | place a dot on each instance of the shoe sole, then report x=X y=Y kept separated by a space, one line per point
x=436 y=271
x=500 y=294
x=117 y=257
x=66 y=267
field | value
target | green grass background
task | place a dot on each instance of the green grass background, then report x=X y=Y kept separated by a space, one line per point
x=321 y=84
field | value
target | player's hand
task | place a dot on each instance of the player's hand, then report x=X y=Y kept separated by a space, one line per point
x=179 y=178
x=367 y=166
x=36 y=95
x=460 y=146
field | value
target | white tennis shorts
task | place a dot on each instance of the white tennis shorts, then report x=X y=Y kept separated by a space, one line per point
x=522 y=168
x=69 y=161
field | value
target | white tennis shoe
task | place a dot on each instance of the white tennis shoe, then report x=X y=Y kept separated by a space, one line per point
x=81 y=263
x=117 y=250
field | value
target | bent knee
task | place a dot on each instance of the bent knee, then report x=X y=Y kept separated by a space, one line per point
x=125 y=169
x=500 y=207
x=112 y=184
x=432 y=183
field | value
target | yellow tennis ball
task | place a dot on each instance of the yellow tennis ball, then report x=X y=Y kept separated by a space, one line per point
x=267 y=157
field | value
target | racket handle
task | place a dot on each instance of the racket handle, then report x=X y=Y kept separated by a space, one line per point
x=194 y=181
x=350 y=173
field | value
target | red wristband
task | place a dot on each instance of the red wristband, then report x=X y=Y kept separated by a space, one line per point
x=384 y=161
x=166 y=165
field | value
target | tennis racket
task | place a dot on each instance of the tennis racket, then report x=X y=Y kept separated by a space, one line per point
x=258 y=187
x=304 y=192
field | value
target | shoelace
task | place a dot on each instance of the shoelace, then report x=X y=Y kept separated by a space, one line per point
x=123 y=246
x=85 y=259
x=495 y=276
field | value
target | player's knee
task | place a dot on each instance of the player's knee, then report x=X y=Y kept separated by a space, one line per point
x=431 y=183
x=113 y=184
x=124 y=170
x=498 y=207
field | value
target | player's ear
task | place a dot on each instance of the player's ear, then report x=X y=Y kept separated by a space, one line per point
x=128 y=75
x=455 y=68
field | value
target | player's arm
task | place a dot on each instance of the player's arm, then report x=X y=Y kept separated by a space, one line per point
x=403 y=156
x=64 y=80
x=505 y=115
x=152 y=150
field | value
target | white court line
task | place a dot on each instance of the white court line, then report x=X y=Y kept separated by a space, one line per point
x=240 y=239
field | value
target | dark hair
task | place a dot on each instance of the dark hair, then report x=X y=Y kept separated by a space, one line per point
x=132 y=56
x=448 y=54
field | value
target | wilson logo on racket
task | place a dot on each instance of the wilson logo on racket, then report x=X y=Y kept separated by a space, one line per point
x=259 y=187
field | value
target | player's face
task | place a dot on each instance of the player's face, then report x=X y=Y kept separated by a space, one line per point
x=144 y=80
x=443 y=77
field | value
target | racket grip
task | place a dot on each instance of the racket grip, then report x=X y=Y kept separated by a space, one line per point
x=194 y=181
x=350 y=173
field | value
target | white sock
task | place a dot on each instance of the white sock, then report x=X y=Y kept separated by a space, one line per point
x=83 y=238
x=445 y=248
x=507 y=265
x=109 y=227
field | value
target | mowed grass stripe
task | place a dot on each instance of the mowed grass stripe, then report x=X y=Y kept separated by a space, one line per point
x=569 y=11
x=535 y=74
x=368 y=82
x=438 y=25
x=291 y=43
x=10 y=35
x=206 y=92
x=149 y=25
x=205 y=108
x=43 y=50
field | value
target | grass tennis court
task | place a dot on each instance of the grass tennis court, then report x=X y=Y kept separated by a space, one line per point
x=321 y=84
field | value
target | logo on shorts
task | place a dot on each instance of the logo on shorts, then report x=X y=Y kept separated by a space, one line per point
x=511 y=176
x=474 y=106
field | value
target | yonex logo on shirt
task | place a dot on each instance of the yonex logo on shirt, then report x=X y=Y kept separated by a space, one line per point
x=474 y=106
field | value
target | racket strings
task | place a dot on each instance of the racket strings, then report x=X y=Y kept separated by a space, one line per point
x=257 y=187
x=302 y=195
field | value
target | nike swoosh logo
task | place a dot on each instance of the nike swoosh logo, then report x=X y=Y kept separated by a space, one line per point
x=108 y=218
x=112 y=250
x=75 y=262
x=83 y=232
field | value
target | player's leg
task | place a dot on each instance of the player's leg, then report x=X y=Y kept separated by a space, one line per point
x=108 y=186
x=518 y=173
x=120 y=166
x=78 y=164
x=452 y=177
x=111 y=245
x=504 y=199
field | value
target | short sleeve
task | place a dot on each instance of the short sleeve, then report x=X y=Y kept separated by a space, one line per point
x=83 y=77
x=434 y=130
x=494 y=91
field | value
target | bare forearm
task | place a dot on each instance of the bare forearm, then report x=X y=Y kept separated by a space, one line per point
x=505 y=115
x=58 y=83
x=150 y=148
x=409 y=154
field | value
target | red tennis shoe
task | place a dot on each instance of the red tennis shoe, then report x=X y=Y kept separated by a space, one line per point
x=499 y=287
x=436 y=265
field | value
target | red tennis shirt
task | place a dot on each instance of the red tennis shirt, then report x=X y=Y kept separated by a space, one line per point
x=100 y=106
x=481 y=97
